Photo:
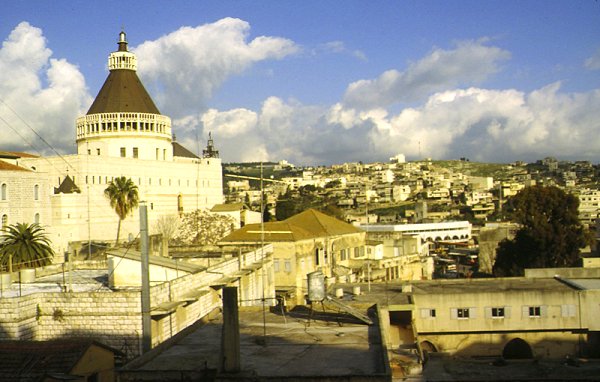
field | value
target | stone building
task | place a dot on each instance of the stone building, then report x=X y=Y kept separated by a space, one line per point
x=122 y=134
x=521 y=317
x=303 y=243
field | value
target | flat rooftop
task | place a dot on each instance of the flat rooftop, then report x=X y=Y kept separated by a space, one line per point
x=491 y=285
x=330 y=344
x=80 y=280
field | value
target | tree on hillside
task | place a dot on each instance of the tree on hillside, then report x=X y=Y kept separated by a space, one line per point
x=24 y=245
x=550 y=234
x=123 y=196
x=202 y=227
x=167 y=225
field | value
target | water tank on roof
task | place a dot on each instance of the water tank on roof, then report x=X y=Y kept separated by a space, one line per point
x=27 y=276
x=316 y=286
x=5 y=281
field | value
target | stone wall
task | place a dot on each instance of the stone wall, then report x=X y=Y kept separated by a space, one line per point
x=114 y=317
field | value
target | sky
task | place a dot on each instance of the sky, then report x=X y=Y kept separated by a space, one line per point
x=317 y=82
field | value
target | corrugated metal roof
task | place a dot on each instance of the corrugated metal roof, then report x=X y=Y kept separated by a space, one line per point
x=123 y=92
x=156 y=260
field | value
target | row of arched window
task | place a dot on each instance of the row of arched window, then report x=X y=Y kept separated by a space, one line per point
x=4 y=192
x=36 y=219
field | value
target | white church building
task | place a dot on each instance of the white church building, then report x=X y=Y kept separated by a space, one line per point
x=122 y=134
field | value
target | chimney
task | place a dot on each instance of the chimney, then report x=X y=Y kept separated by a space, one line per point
x=230 y=336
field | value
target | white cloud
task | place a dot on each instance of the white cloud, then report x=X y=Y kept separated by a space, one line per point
x=593 y=62
x=230 y=123
x=470 y=63
x=482 y=124
x=183 y=69
x=45 y=93
x=339 y=47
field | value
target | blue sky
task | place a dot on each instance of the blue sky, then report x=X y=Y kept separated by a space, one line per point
x=319 y=82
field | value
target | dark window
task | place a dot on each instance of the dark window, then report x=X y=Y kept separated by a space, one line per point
x=498 y=312
x=462 y=312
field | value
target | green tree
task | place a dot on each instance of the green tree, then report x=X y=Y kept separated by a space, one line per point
x=25 y=245
x=551 y=234
x=123 y=196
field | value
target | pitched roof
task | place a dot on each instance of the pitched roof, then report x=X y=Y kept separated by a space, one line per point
x=16 y=155
x=180 y=151
x=67 y=186
x=305 y=225
x=123 y=92
x=5 y=166
x=321 y=224
x=228 y=207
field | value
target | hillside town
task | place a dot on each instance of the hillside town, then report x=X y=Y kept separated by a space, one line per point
x=152 y=263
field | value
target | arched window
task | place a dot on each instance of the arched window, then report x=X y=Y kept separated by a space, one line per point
x=36 y=192
x=36 y=218
x=4 y=220
x=180 y=204
x=3 y=191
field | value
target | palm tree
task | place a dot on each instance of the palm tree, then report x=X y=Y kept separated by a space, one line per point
x=26 y=245
x=123 y=196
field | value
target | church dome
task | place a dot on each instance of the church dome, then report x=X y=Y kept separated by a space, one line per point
x=123 y=91
x=123 y=121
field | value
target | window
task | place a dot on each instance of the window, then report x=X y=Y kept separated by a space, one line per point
x=343 y=254
x=276 y=265
x=4 y=220
x=498 y=312
x=287 y=266
x=180 y=203
x=3 y=191
x=157 y=154
x=535 y=311
x=135 y=152
x=98 y=151
x=89 y=152
x=462 y=313
x=356 y=252
x=36 y=218
x=123 y=153
x=164 y=154
x=427 y=313
x=36 y=192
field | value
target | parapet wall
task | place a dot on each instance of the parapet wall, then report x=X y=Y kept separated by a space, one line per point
x=114 y=317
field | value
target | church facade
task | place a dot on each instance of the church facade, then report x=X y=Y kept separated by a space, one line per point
x=122 y=134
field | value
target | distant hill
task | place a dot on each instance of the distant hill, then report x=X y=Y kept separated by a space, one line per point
x=496 y=170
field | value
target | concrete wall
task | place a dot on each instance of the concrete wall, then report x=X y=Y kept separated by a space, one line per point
x=552 y=305
x=544 y=344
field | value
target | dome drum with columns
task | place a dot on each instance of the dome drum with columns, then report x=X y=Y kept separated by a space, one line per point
x=122 y=134
x=123 y=121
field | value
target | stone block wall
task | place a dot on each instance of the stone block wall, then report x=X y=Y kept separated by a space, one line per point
x=114 y=317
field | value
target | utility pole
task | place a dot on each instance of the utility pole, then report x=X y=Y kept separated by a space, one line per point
x=145 y=295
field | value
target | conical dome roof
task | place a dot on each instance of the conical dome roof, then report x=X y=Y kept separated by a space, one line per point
x=123 y=91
